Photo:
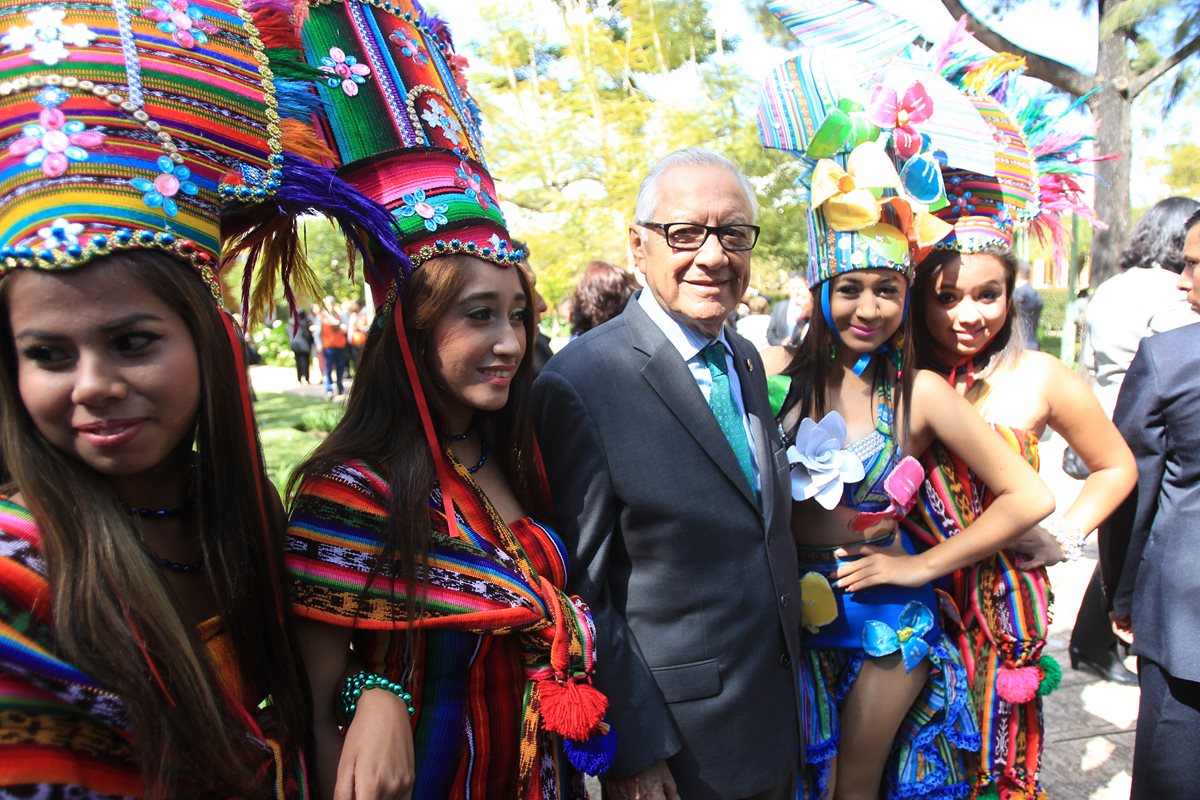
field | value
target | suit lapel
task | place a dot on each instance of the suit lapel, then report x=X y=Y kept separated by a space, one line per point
x=671 y=379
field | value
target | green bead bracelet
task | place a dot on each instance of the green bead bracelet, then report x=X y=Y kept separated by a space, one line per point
x=354 y=685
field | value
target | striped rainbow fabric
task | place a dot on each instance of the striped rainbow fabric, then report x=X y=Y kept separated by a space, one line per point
x=128 y=125
x=1005 y=613
x=864 y=29
x=482 y=639
x=63 y=734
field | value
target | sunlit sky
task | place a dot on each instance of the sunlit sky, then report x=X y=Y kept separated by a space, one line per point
x=1061 y=33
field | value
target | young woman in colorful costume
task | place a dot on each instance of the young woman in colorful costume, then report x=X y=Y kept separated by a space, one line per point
x=145 y=645
x=448 y=654
x=964 y=320
x=888 y=711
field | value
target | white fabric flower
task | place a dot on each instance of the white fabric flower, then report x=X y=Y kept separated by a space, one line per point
x=820 y=465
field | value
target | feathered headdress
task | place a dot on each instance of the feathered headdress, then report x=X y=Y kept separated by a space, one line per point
x=1040 y=157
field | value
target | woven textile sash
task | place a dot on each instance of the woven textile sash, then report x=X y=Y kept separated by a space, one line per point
x=62 y=727
x=720 y=398
x=481 y=581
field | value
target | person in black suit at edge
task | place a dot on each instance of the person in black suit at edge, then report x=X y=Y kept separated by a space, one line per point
x=1150 y=549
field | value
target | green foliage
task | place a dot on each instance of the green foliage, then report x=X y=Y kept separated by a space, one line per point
x=286 y=433
x=321 y=418
x=273 y=343
x=769 y=25
x=576 y=120
x=1182 y=161
x=1054 y=317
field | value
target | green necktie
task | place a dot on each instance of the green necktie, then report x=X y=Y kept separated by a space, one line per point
x=720 y=398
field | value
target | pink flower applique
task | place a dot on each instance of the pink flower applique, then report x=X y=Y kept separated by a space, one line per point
x=886 y=110
x=183 y=21
x=344 y=70
x=408 y=47
x=471 y=184
x=172 y=180
x=54 y=142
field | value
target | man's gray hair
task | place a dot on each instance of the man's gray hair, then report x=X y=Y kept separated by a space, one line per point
x=648 y=199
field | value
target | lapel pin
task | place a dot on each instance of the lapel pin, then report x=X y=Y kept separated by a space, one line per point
x=749 y=365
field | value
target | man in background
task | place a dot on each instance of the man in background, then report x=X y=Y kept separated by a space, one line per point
x=789 y=318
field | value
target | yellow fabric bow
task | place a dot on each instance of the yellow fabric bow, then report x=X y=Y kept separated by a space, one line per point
x=848 y=197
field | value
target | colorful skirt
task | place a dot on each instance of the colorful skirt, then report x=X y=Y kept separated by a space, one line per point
x=927 y=756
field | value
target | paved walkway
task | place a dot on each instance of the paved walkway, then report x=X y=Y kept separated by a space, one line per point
x=1090 y=723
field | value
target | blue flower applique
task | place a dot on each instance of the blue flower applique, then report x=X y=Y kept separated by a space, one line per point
x=880 y=640
x=433 y=214
x=163 y=190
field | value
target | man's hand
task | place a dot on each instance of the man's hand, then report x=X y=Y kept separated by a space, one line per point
x=655 y=783
x=1122 y=627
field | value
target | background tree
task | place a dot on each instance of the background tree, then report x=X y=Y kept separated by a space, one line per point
x=1182 y=162
x=1128 y=61
x=579 y=103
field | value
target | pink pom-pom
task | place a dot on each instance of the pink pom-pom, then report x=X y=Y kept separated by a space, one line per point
x=1018 y=685
x=571 y=708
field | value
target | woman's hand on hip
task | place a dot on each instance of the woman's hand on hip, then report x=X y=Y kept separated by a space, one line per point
x=377 y=760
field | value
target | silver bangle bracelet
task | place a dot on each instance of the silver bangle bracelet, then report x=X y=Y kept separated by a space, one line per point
x=1069 y=536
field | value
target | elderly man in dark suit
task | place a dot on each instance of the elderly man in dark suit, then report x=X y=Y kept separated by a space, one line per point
x=670 y=486
x=1150 y=548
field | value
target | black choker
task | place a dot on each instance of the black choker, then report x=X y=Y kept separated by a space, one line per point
x=458 y=437
x=482 y=457
x=181 y=567
x=156 y=513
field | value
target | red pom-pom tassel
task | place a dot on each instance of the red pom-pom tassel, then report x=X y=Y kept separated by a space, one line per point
x=571 y=708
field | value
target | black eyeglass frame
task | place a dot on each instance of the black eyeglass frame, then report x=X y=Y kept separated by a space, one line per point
x=709 y=230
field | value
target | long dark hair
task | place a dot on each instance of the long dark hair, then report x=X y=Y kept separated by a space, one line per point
x=109 y=598
x=1009 y=342
x=812 y=366
x=381 y=426
x=1157 y=239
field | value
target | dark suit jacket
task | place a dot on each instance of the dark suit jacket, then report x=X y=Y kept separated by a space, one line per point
x=1150 y=547
x=693 y=588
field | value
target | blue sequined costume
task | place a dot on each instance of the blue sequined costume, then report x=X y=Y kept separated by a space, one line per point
x=928 y=753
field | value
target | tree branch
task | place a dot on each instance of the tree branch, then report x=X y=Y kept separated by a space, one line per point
x=1055 y=73
x=1162 y=67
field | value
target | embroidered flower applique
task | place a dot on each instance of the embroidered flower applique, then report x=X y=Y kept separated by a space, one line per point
x=498 y=244
x=821 y=466
x=47 y=36
x=433 y=214
x=435 y=114
x=60 y=233
x=886 y=109
x=185 y=22
x=344 y=71
x=408 y=47
x=54 y=142
x=172 y=180
x=471 y=184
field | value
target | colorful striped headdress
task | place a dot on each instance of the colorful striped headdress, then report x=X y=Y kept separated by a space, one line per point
x=397 y=113
x=127 y=126
x=872 y=129
x=1038 y=165
x=176 y=125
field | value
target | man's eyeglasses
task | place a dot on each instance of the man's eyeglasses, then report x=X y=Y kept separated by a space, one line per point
x=692 y=236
